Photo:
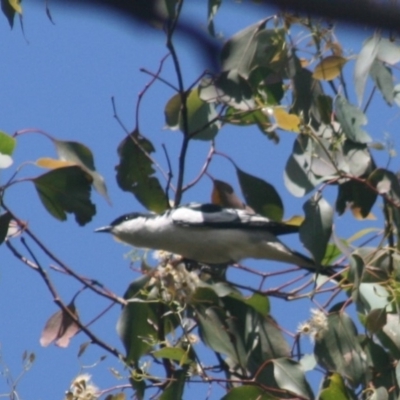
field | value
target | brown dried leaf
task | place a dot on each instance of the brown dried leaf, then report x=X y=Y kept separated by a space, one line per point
x=60 y=328
x=224 y=195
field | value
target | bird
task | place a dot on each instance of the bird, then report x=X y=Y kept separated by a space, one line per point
x=210 y=234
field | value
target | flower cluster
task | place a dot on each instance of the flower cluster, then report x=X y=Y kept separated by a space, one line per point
x=316 y=326
x=175 y=282
x=82 y=389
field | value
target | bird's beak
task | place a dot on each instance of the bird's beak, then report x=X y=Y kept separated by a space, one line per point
x=104 y=229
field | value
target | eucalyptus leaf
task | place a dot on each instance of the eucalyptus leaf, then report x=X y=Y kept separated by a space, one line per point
x=290 y=376
x=363 y=64
x=202 y=118
x=298 y=176
x=136 y=328
x=219 y=333
x=135 y=172
x=338 y=350
x=81 y=155
x=306 y=91
x=388 y=51
x=357 y=195
x=66 y=190
x=261 y=196
x=382 y=76
x=7 y=144
x=351 y=119
x=376 y=320
x=228 y=88
x=316 y=229
x=174 y=390
x=252 y=47
x=173 y=353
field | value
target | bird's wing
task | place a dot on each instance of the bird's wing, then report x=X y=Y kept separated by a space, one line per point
x=212 y=215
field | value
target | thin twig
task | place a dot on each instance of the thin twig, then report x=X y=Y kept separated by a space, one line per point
x=65 y=309
x=170 y=173
x=157 y=77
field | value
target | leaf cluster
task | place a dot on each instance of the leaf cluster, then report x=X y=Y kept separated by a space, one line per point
x=267 y=81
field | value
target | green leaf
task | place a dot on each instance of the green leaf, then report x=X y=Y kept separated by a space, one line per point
x=229 y=89
x=248 y=392
x=175 y=388
x=81 y=155
x=136 y=286
x=213 y=6
x=204 y=295
x=5 y=220
x=390 y=331
x=334 y=389
x=259 y=333
x=376 y=320
x=136 y=328
x=372 y=296
x=239 y=52
x=261 y=196
x=259 y=303
x=7 y=145
x=250 y=117
x=298 y=176
x=290 y=376
x=325 y=106
x=218 y=331
x=351 y=119
x=173 y=353
x=172 y=111
x=202 y=120
x=355 y=274
x=363 y=65
x=306 y=91
x=388 y=51
x=382 y=76
x=337 y=349
x=66 y=190
x=356 y=194
x=135 y=172
x=316 y=229
x=202 y=117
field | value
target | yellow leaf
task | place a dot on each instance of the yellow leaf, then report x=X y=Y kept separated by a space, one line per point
x=15 y=4
x=357 y=214
x=329 y=68
x=52 y=163
x=296 y=220
x=304 y=62
x=286 y=121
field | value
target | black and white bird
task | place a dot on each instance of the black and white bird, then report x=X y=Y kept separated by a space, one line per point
x=209 y=234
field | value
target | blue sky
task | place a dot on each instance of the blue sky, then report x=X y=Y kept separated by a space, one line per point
x=60 y=79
